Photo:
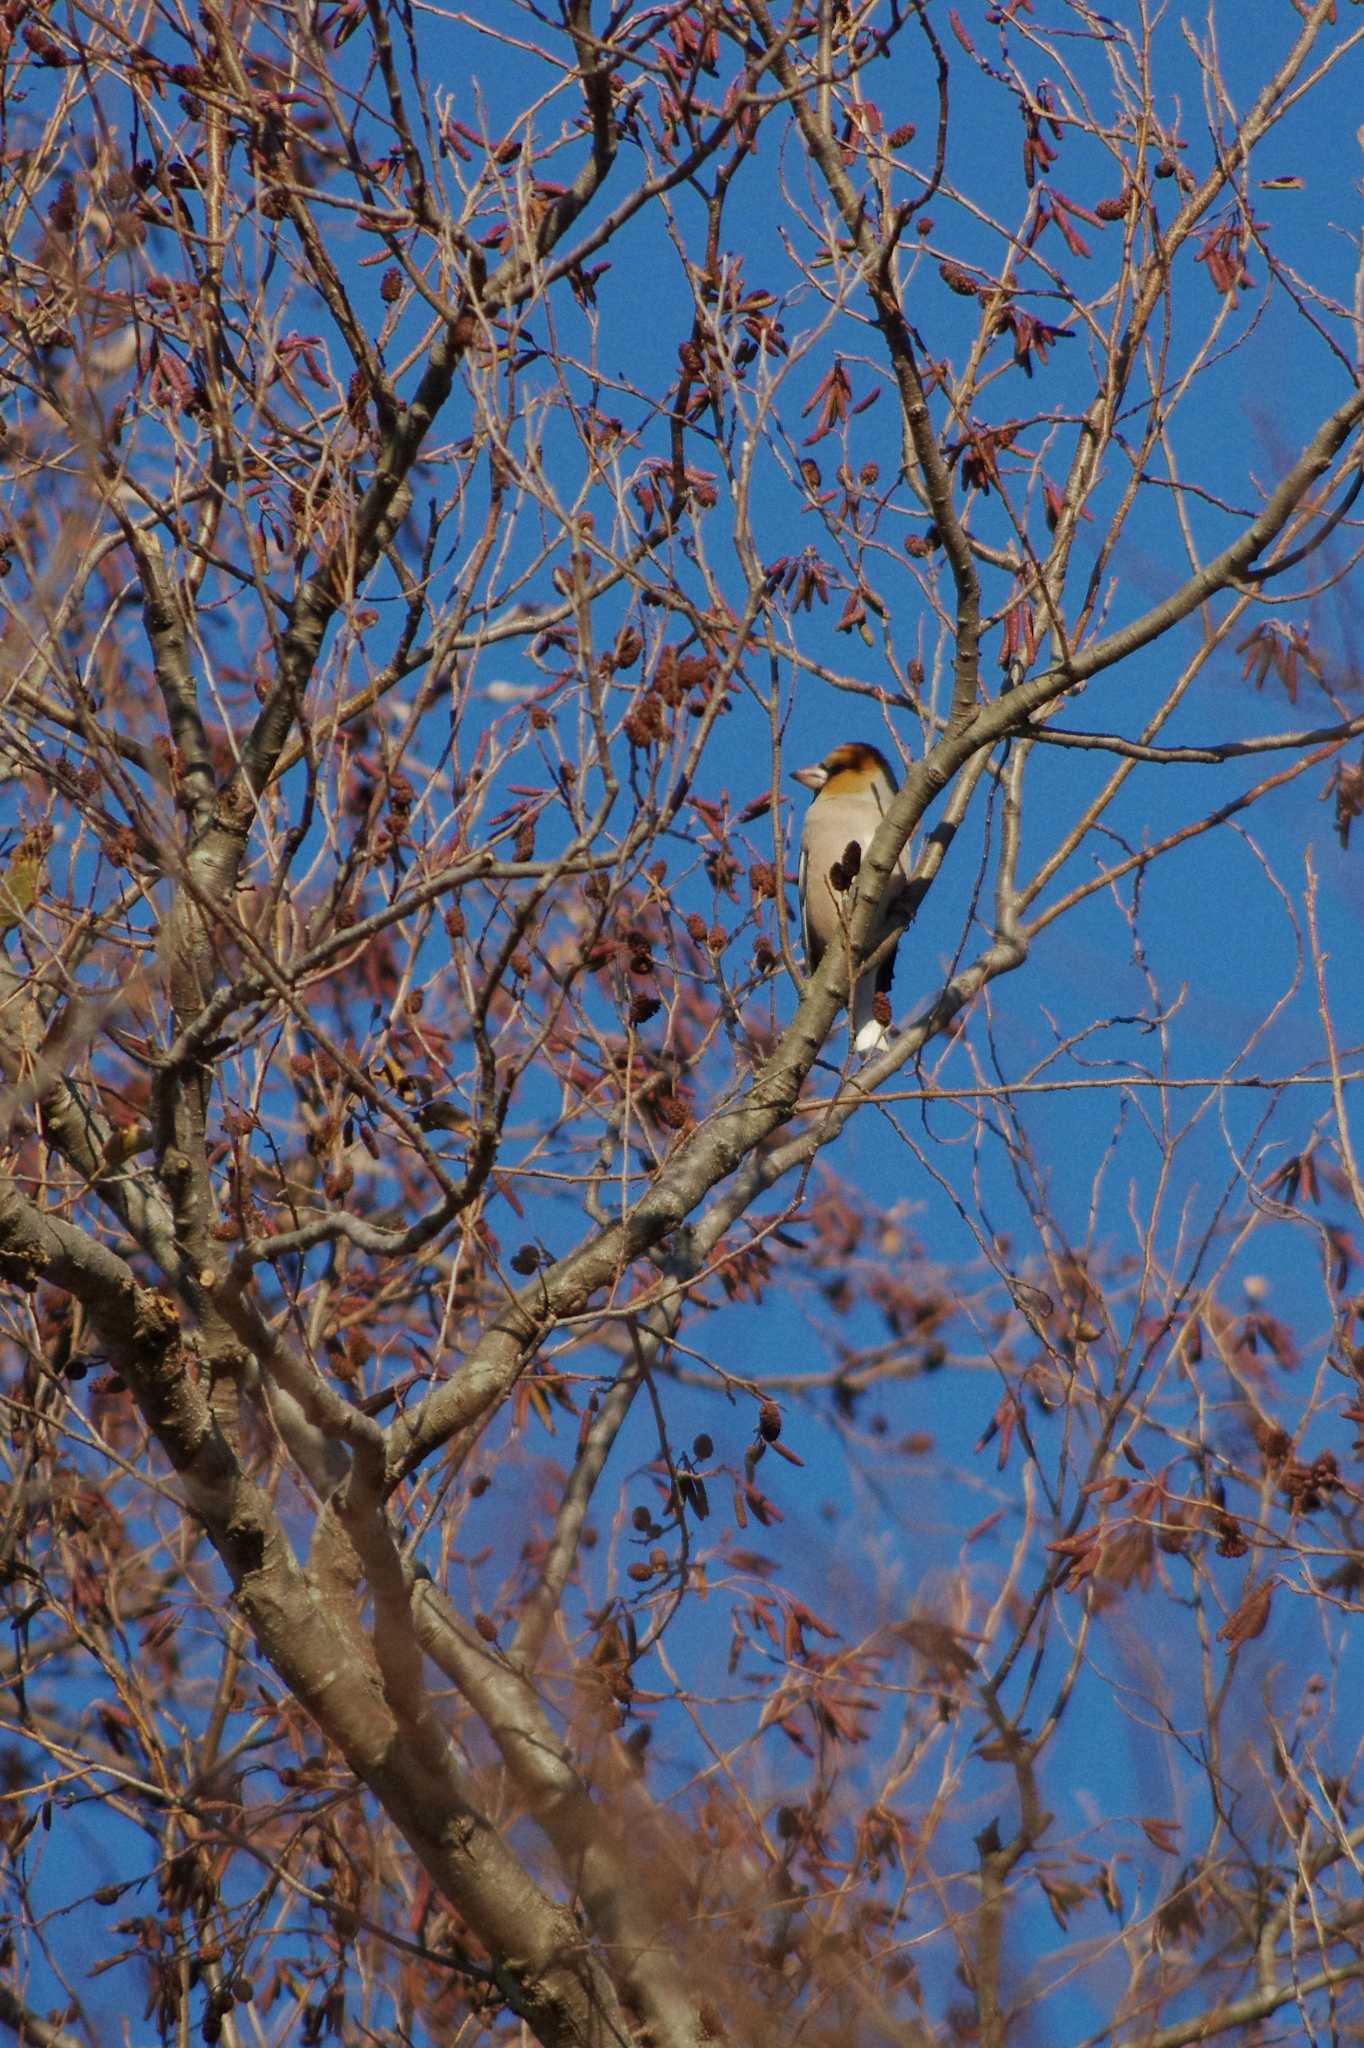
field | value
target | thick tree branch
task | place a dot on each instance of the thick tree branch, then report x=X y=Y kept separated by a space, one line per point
x=30 y=2029
x=539 y=1956
x=608 y=1849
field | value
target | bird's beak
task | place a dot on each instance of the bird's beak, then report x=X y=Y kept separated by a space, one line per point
x=811 y=778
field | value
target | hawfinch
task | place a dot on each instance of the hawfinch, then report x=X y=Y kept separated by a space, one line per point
x=853 y=787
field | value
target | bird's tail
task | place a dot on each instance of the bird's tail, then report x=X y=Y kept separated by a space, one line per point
x=868 y=1033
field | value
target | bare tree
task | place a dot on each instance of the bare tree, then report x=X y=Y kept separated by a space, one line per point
x=544 y=1491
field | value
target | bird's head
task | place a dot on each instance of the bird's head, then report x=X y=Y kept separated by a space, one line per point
x=849 y=770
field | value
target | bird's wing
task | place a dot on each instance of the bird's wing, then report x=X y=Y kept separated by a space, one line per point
x=812 y=951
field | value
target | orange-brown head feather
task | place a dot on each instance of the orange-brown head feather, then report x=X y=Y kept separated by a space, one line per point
x=847 y=770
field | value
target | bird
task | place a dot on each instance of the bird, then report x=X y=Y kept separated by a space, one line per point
x=853 y=786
